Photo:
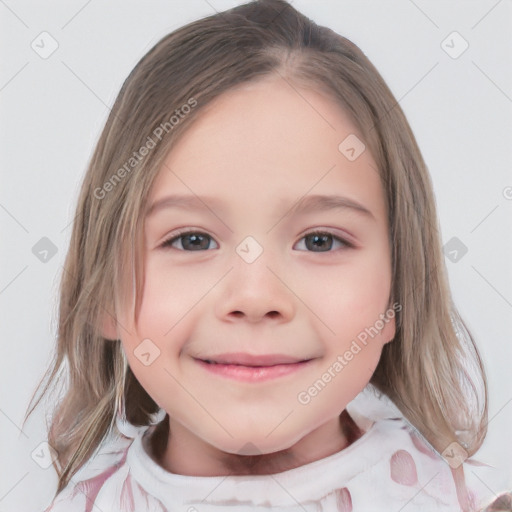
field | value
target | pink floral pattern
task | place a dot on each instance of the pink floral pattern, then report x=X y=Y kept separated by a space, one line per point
x=343 y=500
x=403 y=469
x=91 y=487
x=133 y=498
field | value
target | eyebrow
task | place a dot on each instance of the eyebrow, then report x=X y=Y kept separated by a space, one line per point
x=310 y=203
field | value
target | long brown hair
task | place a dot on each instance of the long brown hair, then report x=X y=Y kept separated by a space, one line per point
x=432 y=370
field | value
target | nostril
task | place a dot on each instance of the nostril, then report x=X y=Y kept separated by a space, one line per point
x=271 y=314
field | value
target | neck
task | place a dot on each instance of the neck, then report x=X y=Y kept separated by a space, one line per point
x=183 y=457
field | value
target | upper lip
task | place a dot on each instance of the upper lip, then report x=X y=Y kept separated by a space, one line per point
x=253 y=360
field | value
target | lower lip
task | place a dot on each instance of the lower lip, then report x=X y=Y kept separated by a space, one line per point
x=252 y=373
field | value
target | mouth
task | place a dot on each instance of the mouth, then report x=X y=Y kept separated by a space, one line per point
x=248 y=368
x=263 y=360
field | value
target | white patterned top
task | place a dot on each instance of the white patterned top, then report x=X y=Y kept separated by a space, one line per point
x=389 y=468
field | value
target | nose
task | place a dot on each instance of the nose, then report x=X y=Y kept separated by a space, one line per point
x=252 y=292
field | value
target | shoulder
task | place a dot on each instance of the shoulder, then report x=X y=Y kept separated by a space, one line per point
x=402 y=462
x=401 y=468
x=105 y=483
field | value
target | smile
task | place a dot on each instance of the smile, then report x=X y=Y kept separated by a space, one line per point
x=252 y=372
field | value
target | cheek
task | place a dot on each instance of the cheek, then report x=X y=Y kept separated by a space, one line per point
x=160 y=330
x=151 y=355
x=169 y=294
x=348 y=298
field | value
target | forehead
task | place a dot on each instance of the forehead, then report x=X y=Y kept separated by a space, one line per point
x=269 y=140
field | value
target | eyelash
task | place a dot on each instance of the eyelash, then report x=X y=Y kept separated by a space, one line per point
x=167 y=244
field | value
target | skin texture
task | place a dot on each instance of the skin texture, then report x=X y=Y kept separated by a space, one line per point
x=260 y=148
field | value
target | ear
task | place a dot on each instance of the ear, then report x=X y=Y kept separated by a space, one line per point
x=392 y=310
x=389 y=330
x=108 y=327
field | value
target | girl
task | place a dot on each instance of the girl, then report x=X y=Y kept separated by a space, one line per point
x=255 y=246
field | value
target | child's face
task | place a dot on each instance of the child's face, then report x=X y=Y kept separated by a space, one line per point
x=255 y=152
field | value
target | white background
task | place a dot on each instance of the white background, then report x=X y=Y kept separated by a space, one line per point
x=52 y=111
